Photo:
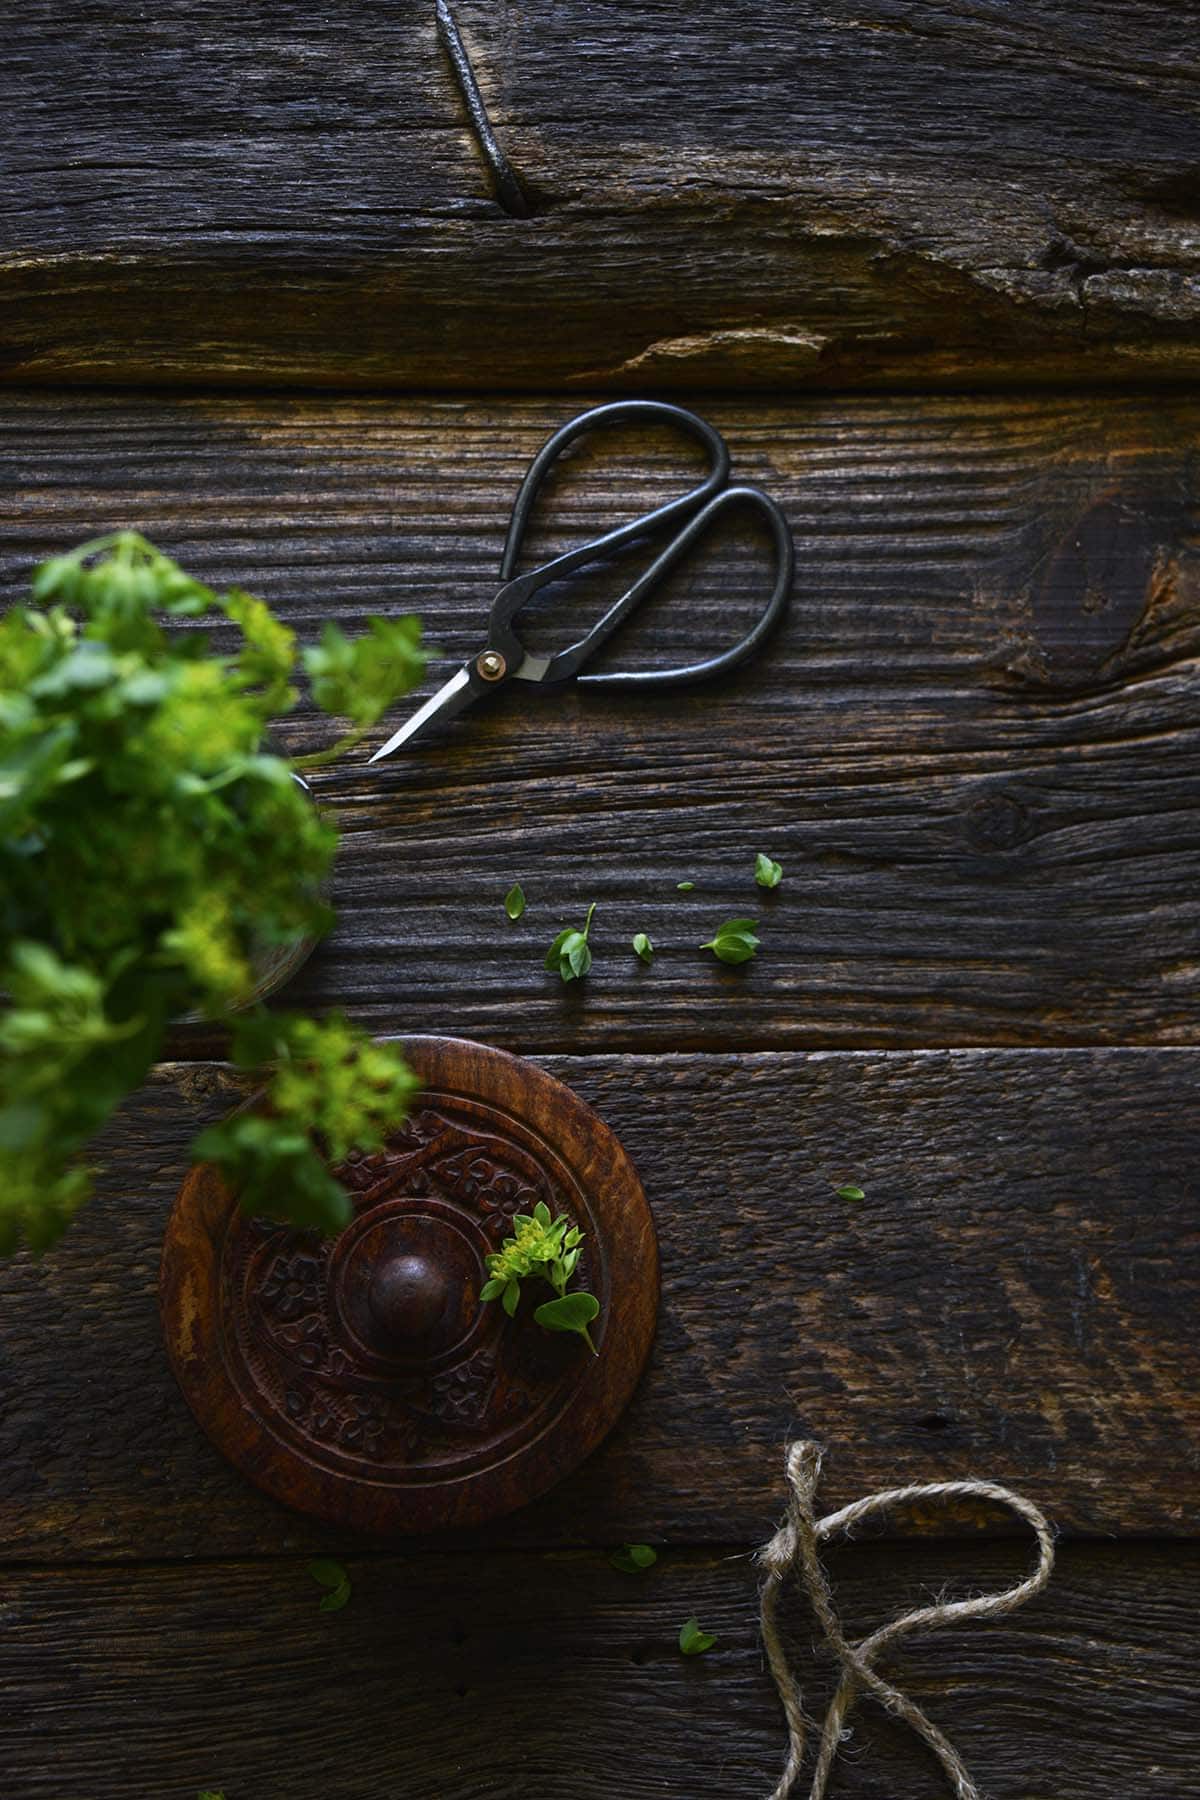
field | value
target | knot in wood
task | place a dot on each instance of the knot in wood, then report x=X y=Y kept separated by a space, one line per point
x=998 y=821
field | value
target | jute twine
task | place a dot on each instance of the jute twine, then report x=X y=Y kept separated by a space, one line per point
x=794 y=1547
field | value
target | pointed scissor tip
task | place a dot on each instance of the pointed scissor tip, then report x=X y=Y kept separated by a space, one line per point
x=446 y=704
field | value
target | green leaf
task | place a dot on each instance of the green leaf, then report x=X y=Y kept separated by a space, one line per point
x=693 y=1641
x=633 y=1559
x=359 y=678
x=511 y=1298
x=554 y=953
x=326 y=1572
x=643 y=947
x=541 y=1213
x=492 y=1290
x=735 y=942
x=571 y=1312
x=684 y=887
x=768 y=874
x=210 y=1794
x=331 y=1575
x=514 y=901
x=21 y=1124
x=850 y=1193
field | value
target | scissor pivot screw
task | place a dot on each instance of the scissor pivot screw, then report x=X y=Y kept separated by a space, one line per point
x=491 y=665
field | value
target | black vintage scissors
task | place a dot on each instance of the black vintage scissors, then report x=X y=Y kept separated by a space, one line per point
x=504 y=657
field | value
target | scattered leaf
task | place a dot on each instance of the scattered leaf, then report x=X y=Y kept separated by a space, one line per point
x=634 y=1559
x=850 y=1193
x=643 y=947
x=684 y=887
x=735 y=942
x=570 y=954
x=768 y=874
x=514 y=901
x=331 y=1575
x=693 y=1641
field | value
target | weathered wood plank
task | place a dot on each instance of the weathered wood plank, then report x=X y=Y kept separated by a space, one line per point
x=451 y=1678
x=1014 y=1297
x=974 y=746
x=895 y=192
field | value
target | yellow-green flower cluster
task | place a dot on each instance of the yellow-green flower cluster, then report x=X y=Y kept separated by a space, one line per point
x=541 y=1247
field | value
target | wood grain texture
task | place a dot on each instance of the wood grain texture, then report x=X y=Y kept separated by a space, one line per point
x=892 y=192
x=974 y=746
x=1015 y=1297
x=438 y=1679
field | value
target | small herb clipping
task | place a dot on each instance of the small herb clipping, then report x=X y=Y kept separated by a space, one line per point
x=331 y=1576
x=693 y=1641
x=850 y=1193
x=514 y=901
x=768 y=874
x=735 y=942
x=569 y=954
x=643 y=947
x=634 y=1559
x=684 y=887
x=210 y=1794
x=546 y=1249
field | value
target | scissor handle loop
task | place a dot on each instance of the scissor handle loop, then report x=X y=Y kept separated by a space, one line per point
x=785 y=569
x=615 y=412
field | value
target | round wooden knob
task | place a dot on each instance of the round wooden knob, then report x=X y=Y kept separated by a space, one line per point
x=360 y=1378
x=408 y=1296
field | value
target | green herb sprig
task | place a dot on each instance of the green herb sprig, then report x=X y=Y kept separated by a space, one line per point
x=768 y=874
x=542 y=1248
x=152 y=849
x=570 y=953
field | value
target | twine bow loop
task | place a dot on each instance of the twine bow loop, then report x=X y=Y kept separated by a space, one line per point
x=795 y=1547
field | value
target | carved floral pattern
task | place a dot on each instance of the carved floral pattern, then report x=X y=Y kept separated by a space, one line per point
x=293 y=1349
x=291 y=1287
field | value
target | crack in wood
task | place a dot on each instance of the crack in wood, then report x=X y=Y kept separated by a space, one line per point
x=509 y=191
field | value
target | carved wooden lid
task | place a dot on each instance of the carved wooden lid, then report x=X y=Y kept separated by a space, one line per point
x=358 y=1378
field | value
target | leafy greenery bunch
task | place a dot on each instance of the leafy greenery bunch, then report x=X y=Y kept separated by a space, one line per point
x=153 y=851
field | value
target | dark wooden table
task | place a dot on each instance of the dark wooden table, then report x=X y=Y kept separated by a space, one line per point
x=935 y=272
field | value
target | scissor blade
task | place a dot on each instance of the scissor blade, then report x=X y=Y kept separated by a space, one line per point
x=447 y=703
